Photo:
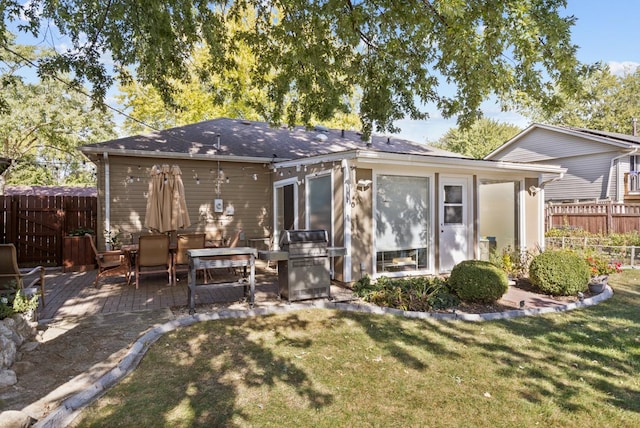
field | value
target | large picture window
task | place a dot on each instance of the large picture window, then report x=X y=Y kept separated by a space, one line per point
x=402 y=223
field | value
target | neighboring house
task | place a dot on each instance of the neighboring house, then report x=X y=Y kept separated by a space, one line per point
x=600 y=165
x=397 y=207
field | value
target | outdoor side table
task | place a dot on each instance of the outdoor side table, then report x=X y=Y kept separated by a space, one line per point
x=211 y=258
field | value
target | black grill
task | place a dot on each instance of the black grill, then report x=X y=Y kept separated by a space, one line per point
x=305 y=273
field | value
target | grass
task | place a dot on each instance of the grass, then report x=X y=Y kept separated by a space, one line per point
x=326 y=368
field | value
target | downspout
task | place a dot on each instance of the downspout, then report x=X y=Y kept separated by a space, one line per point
x=107 y=199
x=551 y=180
x=346 y=174
x=631 y=153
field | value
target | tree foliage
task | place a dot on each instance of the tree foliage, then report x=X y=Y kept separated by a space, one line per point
x=479 y=139
x=313 y=56
x=196 y=99
x=42 y=124
x=606 y=103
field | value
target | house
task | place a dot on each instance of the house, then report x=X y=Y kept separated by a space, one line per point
x=397 y=207
x=600 y=165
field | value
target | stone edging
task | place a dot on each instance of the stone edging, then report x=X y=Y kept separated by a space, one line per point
x=68 y=410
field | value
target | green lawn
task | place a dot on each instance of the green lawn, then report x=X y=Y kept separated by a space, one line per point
x=325 y=368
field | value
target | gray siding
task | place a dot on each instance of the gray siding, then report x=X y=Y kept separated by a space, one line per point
x=544 y=146
x=588 y=164
x=587 y=177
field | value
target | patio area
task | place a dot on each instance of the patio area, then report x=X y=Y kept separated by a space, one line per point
x=72 y=294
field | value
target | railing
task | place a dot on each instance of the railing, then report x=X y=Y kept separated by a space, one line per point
x=627 y=255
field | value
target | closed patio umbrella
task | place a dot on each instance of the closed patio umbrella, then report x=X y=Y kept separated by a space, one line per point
x=166 y=204
x=179 y=214
x=153 y=216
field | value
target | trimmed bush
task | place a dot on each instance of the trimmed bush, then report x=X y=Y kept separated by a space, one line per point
x=478 y=281
x=559 y=273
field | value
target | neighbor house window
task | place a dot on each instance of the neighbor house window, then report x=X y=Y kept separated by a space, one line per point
x=402 y=223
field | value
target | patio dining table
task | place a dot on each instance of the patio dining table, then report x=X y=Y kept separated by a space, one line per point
x=212 y=258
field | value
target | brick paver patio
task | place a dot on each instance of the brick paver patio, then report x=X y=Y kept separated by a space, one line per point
x=72 y=294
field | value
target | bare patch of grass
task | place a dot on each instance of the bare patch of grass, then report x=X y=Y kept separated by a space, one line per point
x=328 y=368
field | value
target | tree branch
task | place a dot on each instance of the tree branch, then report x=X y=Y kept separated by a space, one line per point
x=363 y=37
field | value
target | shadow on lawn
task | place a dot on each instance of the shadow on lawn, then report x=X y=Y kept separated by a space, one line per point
x=198 y=373
x=579 y=357
x=586 y=352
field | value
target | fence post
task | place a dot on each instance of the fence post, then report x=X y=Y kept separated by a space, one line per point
x=609 y=208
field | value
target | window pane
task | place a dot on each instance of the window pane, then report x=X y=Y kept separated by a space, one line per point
x=320 y=203
x=453 y=215
x=402 y=223
x=452 y=194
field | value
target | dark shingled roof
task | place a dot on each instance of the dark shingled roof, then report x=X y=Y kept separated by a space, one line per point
x=245 y=138
x=626 y=138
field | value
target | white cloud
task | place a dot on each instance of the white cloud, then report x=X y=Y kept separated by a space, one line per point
x=623 y=68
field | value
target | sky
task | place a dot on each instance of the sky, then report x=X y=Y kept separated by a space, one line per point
x=606 y=30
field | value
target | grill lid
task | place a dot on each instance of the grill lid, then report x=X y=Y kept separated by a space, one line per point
x=302 y=236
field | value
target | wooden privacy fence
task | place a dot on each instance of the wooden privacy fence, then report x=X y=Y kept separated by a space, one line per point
x=602 y=217
x=36 y=225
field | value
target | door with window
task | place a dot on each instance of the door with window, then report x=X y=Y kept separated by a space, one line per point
x=454 y=222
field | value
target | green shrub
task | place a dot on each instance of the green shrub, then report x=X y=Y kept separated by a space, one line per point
x=478 y=281
x=17 y=303
x=409 y=294
x=514 y=261
x=562 y=273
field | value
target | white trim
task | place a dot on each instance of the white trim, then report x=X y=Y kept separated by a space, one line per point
x=276 y=185
x=176 y=155
x=522 y=233
x=107 y=200
x=346 y=218
x=432 y=227
x=441 y=162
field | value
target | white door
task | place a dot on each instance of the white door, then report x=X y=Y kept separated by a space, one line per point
x=454 y=222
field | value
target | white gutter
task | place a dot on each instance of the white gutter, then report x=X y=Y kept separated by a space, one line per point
x=346 y=213
x=454 y=162
x=631 y=153
x=185 y=156
x=107 y=199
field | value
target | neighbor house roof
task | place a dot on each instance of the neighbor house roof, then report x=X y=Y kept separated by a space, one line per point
x=249 y=140
x=50 y=191
x=623 y=141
